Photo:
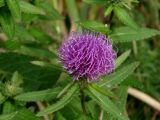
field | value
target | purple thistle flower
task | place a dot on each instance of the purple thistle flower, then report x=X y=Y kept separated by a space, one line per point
x=87 y=54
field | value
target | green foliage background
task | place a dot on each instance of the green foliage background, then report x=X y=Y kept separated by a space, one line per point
x=33 y=83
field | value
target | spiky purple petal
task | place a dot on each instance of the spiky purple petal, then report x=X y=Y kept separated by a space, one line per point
x=87 y=54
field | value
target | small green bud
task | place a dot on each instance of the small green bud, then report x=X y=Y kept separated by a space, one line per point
x=16 y=79
x=12 y=90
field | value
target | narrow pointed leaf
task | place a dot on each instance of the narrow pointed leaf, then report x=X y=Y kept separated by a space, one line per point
x=61 y=103
x=29 y=8
x=122 y=58
x=8 y=107
x=122 y=94
x=118 y=76
x=36 y=52
x=25 y=114
x=59 y=116
x=124 y=17
x=108 y=10
x=126 y=34
x=7 y=24
x=105 y=92
x=51 y=13
x=106 y=104
x=64 y=90
x=35 y=76
x=38 y=95
x=24 y=35
x=40 y=35
x=94 y=25
x=12 y=44
x=131 y=81
x=14 y=8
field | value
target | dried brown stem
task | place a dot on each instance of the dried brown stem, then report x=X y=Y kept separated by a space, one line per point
x=41 y=107
x=144 y=98
x=101 y=115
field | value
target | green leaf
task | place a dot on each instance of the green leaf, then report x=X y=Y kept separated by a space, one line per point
x=51 y=13
x=34 y=76
x=38 y=95
x=2 y=3
x=7 y=116
x=29 y=8
x=40 y=36
x=23 y=35
x=72 y=10
x=131 y=81
x=91 y=105
x=59 y=116
x=124 y=17
x=108 y=10
x=12 y=44
x=25 y=114
x=118 y=76
x=37 y=52
x=64 y=78
x=94 y=25
x=14 y=8
x=7 y=24
x=44 y=64
x=61 y=103
x=95 y=1
x=74 y=108
x=64 y=90
x=106 y=103
x=126 y=34
x=105 y=92
x=122 y=94
x=8 y=107
x=122 y=58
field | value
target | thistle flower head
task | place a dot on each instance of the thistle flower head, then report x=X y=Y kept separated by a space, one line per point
x=87 y=54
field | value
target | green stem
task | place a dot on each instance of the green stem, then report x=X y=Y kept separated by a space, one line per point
x=135 y=51
x=83 y=102
x=82 y=95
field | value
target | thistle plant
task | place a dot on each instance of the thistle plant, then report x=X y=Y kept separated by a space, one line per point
x=58 y=60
